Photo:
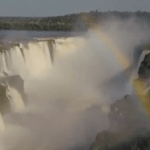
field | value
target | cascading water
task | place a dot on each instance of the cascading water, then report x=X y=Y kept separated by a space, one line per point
x=134 y=74
x=62 y=78
x=31 y=58
x=15 y=99
x=145 y=52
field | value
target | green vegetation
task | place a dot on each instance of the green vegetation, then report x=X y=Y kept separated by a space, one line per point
x=68 y=22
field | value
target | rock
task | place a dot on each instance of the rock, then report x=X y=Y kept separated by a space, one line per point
x=144 y=69
x=129 y=123
x=108 y=140
x=105 y=140
x=15 y=82
x=4 y=101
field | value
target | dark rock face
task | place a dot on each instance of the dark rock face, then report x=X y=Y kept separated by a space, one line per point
x=107 y=140
x=126 y=116
x=144 y=69
x=112 y=141
x=129 y=126
x=138 y=51
x=14 y=82
x=138 y=143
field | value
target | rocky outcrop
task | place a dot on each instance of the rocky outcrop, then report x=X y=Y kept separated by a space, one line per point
x=107 y=140
x=129 y=127
x=15 y=82
x=144 y=69
x=4 y=101
x=129 y=117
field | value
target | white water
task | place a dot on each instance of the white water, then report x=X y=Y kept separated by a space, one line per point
x=145 y=52
x=15 y=98
x=59 y=93
x=33 y=59
x=135 y=71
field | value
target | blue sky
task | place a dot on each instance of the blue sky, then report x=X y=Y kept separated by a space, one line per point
x=61 y=7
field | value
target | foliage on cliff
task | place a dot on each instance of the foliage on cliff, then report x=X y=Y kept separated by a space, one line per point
x=68 y=22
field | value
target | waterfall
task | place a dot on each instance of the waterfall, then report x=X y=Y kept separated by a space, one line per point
x=65 y=82
x=4 y=62
x=8 y=60
x=15 y=98
x=34 y=58
x=135 y=71
x=145 y=52
x=31 y=58
x=51 y=49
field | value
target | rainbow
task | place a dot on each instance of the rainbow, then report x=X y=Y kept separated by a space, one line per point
x=138 y=84
x=108 y=41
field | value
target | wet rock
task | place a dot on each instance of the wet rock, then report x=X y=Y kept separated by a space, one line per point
x=144 y=69
x=108 y=140
x=15 y=82
x=129 y=117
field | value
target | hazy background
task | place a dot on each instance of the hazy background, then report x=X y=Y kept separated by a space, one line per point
x=61 y=7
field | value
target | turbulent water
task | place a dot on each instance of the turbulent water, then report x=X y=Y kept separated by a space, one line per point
x=35 y=57
x=64 y=79
x=57 y=75
x=15 y=98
